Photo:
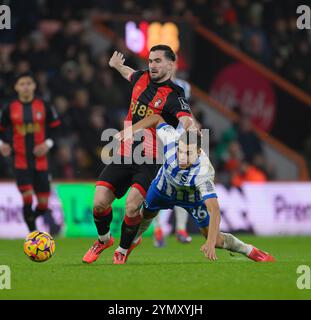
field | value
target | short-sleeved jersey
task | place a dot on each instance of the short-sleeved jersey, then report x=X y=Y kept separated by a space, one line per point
x=148 y=97
x=30 y=123
x=185 y=186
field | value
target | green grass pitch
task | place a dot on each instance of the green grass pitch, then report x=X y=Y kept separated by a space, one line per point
x=176 y=271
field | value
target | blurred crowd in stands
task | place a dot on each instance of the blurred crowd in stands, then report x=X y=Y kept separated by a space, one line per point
x=70 y=62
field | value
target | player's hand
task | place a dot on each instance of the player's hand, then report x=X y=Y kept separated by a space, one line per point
x=209 y=251
x=41 y=149
x=116 y=60
x=5 y=149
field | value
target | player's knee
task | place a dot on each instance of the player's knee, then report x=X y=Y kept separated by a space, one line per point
x=132 y=208
x=27 y=197
x=102 y=200
x=100 y=205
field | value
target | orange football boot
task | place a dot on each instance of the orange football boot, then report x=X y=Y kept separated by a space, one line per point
x=119 y=257
x=260 y=256
x=97 y=248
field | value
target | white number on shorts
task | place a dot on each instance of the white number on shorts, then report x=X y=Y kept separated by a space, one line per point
x=200 y=213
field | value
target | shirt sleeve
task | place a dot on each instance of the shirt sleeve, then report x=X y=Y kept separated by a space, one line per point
x=177 y=105
x=135 y=76
x=206 y=188
x=4 y=118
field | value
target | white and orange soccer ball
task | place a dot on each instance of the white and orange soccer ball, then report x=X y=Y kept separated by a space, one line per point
x=39 y=246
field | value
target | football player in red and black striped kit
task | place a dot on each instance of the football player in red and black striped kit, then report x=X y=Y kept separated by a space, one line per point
x=153 y=93
x=31 y=125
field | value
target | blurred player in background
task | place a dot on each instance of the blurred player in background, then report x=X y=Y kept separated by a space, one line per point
x=181 y=215
x=28 y=126
x=186 y=179
x=153 y=93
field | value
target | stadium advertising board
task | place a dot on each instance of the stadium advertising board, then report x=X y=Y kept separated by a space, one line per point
x=11 y=217
x=72 y=215
x=267 y=209
x=77 y=202
x=263 y=209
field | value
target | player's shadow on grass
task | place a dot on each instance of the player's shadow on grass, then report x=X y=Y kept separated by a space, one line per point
x=106 y=264
x=224 y=260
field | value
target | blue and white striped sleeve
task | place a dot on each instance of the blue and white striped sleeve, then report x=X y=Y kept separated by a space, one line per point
x=207 y=189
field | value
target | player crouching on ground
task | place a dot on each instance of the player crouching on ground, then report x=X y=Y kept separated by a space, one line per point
x=186 y=179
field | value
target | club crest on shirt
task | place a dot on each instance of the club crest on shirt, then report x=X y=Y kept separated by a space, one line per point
x=39 y=115
x=183 y=178
x=157 y=103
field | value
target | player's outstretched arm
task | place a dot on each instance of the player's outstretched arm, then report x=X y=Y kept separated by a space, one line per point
x=148 y=122
x=209 y=247
x=117 y=62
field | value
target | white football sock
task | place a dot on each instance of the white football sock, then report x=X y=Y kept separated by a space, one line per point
x=104 y=238
x=234 y=244
x=181 y=216
x=122 y=250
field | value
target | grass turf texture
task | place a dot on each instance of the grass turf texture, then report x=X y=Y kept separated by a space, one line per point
x=177 y=271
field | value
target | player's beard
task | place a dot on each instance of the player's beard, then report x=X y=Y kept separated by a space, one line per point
x=158 y=78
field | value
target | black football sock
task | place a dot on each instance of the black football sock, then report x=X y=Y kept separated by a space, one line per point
x=102 y=221
x=40 y=212
x=48 y=219
x=29 y=217
x=129 y=230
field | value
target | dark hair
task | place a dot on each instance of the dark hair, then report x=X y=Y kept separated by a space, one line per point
x=168 y=52
x=23 y=75
x=191 y=137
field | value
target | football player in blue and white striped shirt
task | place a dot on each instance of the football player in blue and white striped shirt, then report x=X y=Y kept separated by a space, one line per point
x=181 y=215
x=186 y=179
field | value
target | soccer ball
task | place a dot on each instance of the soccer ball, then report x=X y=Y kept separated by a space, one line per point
x=39 y=246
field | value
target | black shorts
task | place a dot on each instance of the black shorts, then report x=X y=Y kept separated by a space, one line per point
x=120 y=177
x=30 y=179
